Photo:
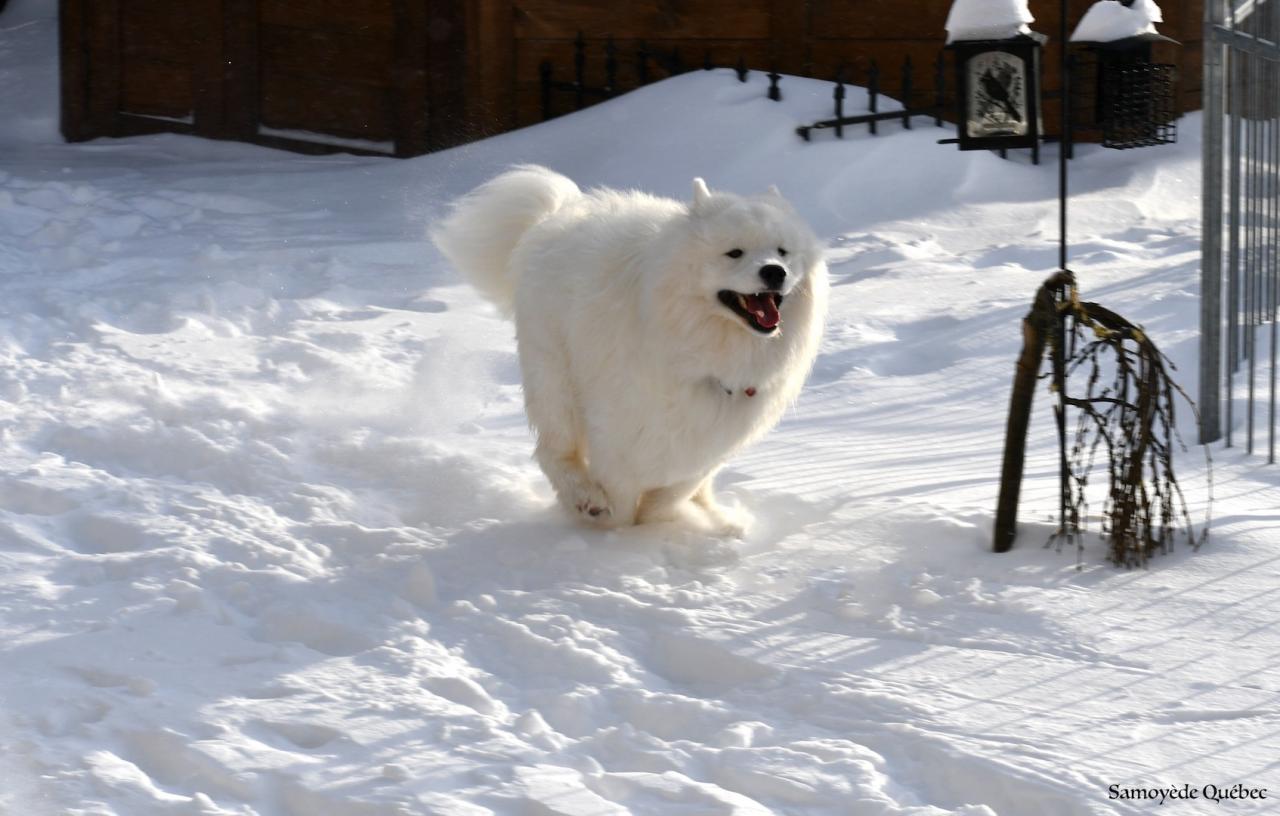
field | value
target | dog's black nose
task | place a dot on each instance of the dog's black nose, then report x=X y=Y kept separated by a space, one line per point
x=773 y=275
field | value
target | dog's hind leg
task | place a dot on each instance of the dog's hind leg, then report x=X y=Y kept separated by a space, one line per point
x=666 y=503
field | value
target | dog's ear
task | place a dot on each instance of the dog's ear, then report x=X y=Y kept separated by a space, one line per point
x=701 y=195
x=778 y=199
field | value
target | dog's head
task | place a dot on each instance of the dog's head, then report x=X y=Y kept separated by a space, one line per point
x=752 y=252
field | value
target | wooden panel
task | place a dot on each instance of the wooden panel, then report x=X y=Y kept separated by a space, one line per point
x=1184 y=19
x=491 y=82
x=208 y=61
x=856 y=56
x=879 y=20
x=155 y=88
x=349 y=57
x=1190 y=65
x=325 y=106
x=1046 y=14
x=103 y=42
x=411 y=86
x=75 y=63
x=790 y=46
x=447 y=65
x=362 y=16
x=157 y=30
x=665 y=19
x=240 y=74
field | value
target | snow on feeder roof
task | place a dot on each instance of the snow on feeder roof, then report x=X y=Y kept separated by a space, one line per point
x=1109 y=21
x=987 y=20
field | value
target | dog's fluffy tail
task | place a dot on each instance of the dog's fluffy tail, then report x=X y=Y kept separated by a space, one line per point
x=482 y=232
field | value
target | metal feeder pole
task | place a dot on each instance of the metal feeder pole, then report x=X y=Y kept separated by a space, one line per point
x=1059 y=334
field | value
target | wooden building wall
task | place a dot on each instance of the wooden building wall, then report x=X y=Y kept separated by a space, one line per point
x=418 y=75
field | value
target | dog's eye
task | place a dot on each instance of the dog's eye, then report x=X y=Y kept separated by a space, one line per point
x=782 y=252
x=734 y=253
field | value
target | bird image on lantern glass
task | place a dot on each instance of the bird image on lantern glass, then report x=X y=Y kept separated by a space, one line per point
x=997 y=101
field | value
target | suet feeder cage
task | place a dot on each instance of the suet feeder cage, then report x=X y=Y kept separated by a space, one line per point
x=998 y=92
x=1134 y=97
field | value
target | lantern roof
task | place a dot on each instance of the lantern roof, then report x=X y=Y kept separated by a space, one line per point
x=987 y=20
x=1114 y=22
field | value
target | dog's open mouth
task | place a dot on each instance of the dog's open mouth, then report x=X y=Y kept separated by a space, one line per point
x=760 y=310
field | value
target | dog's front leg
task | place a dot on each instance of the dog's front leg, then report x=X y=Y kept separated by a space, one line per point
x=623 y=501
x=725 y=521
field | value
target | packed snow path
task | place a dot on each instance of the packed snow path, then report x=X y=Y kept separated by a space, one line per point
x=271 y=541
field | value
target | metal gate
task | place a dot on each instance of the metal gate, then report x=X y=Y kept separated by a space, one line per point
x=1241 y=216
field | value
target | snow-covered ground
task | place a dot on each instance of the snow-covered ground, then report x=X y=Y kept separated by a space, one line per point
x=271 y=541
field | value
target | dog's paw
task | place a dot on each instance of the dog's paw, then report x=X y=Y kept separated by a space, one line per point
x=731 y=528
x=727 y=522
x=591 y=502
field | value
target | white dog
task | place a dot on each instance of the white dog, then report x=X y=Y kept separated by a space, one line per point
x=655 y=337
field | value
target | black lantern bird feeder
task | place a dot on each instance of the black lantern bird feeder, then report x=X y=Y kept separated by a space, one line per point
x=997 y=60
x=998 y=92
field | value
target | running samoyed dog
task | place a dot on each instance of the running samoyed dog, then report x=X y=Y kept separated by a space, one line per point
x=656 y=337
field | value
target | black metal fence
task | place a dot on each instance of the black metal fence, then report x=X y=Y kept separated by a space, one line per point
x=873 y=116
x=654 y=63
x=649 y=63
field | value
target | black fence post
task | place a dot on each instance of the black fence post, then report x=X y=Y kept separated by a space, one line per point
x=774 y=93
x=939 y=88
x=610 y=68
x=741 y=69
x=579 y=69
x=707 y=65
x=677 y=62
x=839 y=95
x=544 y=72
x=873 y=91
x=908 y=72
x=642 y=63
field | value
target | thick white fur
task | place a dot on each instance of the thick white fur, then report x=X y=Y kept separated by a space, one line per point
x=635 y=374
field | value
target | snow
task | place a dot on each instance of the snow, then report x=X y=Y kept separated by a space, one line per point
x=1111 y=20
x=987 y=20
x=272 y=543
x=328 y=139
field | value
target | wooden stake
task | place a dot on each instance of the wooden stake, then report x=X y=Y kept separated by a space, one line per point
x=1036 y=329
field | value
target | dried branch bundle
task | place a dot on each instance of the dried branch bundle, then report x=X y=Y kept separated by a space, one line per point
x=1133 y=416
x=1126 y=410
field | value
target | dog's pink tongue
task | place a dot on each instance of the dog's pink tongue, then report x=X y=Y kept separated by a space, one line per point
x=765 y=310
